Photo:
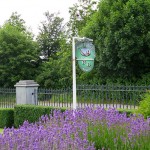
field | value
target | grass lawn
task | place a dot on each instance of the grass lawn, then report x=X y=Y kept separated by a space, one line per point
x=1 y=130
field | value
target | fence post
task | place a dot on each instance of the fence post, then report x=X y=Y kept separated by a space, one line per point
x=26 y=92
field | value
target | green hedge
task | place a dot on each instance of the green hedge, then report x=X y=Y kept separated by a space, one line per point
x=6 y=117
x=32 y=113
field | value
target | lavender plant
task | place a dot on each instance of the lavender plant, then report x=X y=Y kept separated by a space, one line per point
x=115 y=131
x=85 y=129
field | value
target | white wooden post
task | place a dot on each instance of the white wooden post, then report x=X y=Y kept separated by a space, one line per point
x=74 y=74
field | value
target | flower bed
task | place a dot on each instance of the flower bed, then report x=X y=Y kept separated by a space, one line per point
x=84 y=129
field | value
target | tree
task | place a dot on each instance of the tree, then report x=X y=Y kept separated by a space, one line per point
x=50 y=35
x=16 y=21
x=121 y=32
x=80 y=13
x=57 y=73
x=17 y=51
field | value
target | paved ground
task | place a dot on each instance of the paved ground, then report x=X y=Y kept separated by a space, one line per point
x=81 y=105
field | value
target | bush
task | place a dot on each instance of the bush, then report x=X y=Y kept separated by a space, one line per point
x=32 y=113
x=6 y=117
x=144 y=107
x=85 y=129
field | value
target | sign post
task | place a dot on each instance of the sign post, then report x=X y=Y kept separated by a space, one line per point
x=74 y=73
x=84 y=51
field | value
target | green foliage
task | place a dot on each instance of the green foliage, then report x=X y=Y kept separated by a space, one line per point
x=32 y=113
x=120 y=30
x=50 y=35
x=144 y=107
x=57 y=72
x=1 y=131
x=17 y=51
x=144 y=80
x=6 y=117
x=16 y=21
x=80 y=13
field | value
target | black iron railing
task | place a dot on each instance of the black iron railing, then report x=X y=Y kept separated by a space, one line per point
x=127 y=97
x=7 y=97
x=57 y=98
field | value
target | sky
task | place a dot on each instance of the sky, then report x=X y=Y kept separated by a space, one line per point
x=32 y=11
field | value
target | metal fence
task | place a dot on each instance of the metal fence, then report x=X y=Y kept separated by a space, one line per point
x=126 y=97
x=7 y=97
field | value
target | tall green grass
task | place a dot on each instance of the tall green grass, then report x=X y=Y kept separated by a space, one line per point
x=1 y=130
x=116 y=137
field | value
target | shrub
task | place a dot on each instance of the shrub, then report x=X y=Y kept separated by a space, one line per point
x=32 y=113
x=83 y=129
x=144 y=107
x=6 y=117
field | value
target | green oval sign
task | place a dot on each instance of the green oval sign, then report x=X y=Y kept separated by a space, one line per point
x=85 y=54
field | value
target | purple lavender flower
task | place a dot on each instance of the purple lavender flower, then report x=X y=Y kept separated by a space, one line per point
x=85 y=129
